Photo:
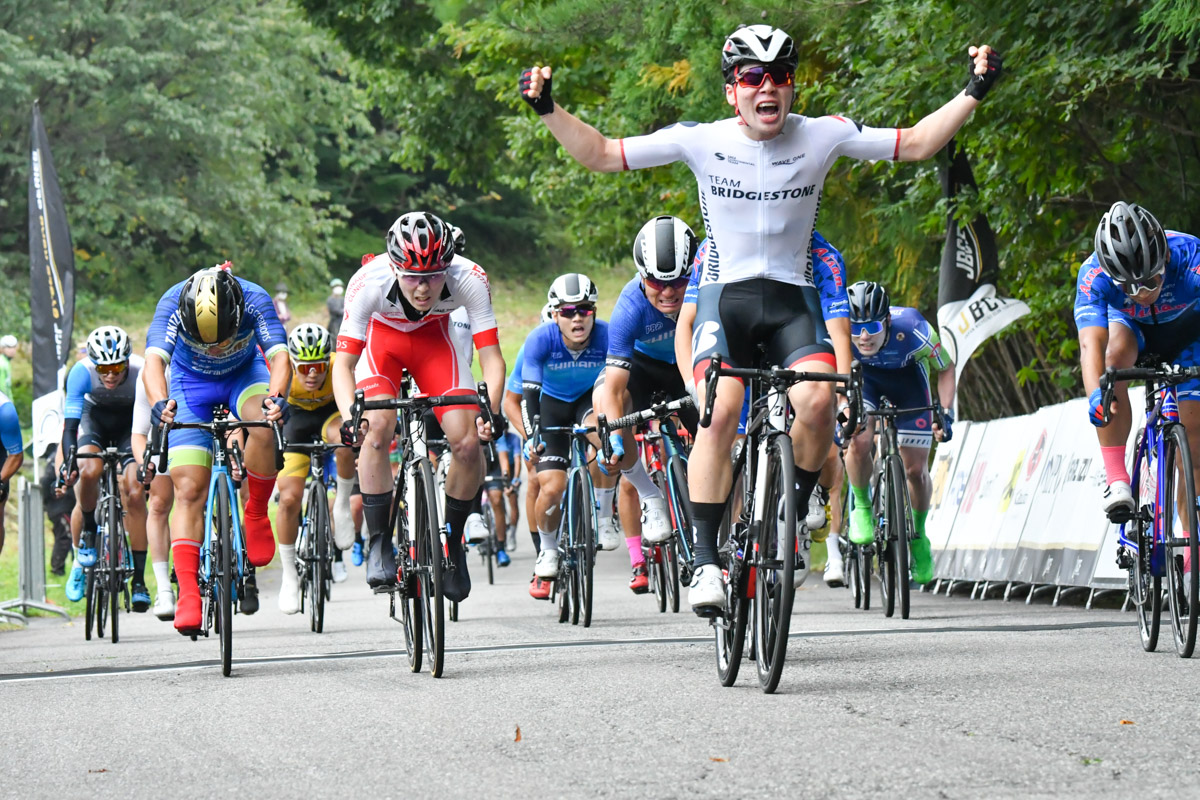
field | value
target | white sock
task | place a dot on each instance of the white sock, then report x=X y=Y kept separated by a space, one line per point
x=640 y=479
x=834 y=546
x=605 y=497
x=345 y=488
x=287 y=563
x=162 y=575
x=549 y=539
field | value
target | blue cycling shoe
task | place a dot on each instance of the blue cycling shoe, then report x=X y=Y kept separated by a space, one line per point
x=85 y=556
x=502 y=558
x=76 y=583
x=139 y=599
x=356 y=554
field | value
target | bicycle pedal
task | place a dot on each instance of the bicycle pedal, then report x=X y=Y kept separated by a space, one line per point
x=712 y=613
x=383 y=589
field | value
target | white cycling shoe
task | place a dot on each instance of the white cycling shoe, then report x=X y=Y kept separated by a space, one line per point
x=835 y=567
x=1118 y=495
x=656 y=526
x=708 y=588
x=164 y=605
x=546 y=566
x=289 y=590
x=343 y=524
x=339 y=571
x=476 y=529
x=607 y=533
x=816 y=508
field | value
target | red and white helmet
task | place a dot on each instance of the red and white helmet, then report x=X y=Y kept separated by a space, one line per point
x=420 y=242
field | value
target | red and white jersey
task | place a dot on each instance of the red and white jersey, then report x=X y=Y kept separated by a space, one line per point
x=373 y=298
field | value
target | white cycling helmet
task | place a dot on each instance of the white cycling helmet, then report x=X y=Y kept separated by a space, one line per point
x=8 y=341
x=664 y=249
x=309 y=342
x=574 y=287
x=757 y=44
x=547 y=313
x=108 y=344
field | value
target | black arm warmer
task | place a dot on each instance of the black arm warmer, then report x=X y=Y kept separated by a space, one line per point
x=70 y=435
x=533 y=405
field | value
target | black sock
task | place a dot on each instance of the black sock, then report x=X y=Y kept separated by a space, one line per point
x=706 y=522
x=89 y=520
x=139 y=567
x=805 y=481
x=476 y=504
x=457 y=512
x=337 y=555
x=375 y=513
x=537 y=541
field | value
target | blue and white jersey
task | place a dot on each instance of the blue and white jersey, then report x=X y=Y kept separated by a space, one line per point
x=85 y=390
x=514 y=378
x=260 y=328
x=911 y=340
x=636 y=325
x=10 y=427
x=562 y=373
x=508 y=443
x=829 y=276
x=1097 y=296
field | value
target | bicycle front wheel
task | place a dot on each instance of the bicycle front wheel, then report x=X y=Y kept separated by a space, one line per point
x=90 y=603
x=427 y=532
x=671 y=555
x=319 y=540
x=223 y=560
x=884 y=541
x=1180 y=538
x=900 y=529
x=776 y=563
x=115 y=561
x=1145 y=588
x=489 y=521
x=581 y=504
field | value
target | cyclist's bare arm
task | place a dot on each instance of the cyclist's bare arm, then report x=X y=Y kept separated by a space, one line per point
x=491 y=364
x=281 y=374
x=839 y=332
x=586 y=145
x=1093 y=341
x=935 y=130
x=154 y=373
x=947 y=384
x=343 y=382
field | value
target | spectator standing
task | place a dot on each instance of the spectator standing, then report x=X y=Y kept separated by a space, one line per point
x=58 y=511
x=281 y=307
x=14 y=453
x=336 y=305
x=8 y=351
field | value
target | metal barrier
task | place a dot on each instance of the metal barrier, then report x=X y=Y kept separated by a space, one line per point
x=31 y=554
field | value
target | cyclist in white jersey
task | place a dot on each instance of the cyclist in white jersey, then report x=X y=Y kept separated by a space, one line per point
x=759 y=175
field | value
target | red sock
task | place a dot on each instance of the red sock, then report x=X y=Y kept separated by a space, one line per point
x=1114 y=463
x=187 y=564
x=634 y=543
x=259 y=494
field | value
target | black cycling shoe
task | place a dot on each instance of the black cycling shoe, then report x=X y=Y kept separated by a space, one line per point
x=456 y=582
x=249 y=600
x=381 y=562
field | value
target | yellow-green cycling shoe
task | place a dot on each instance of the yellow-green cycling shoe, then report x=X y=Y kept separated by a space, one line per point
x=862 y=525
x=922 y=559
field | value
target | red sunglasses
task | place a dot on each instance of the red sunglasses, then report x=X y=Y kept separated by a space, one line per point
x=753 y=77
x=659 y=285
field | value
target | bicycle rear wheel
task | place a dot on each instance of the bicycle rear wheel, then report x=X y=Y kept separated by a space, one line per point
x=410 y=590
x=427 y=532
x=881 y=505
x=680 y=504
x=1179 y=518
x=671 y=570
x=101 y=605
x=223 y=562
x=1145 y=588
x=656 y=559
x=730 y=627
x=489 y=520
x=776 y=563
x=853 y=578
x=90 y=603
x=900 y=530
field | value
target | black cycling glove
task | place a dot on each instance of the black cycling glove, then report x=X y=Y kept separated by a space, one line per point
x=543 y=104
x=349 y=435
x=978 y=85
x=3 y=491
x=279 y=403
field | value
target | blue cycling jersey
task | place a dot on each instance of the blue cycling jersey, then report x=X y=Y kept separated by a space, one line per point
x=10 y=427
x=637 y=325
x=514 y=378
x=910 y=340
x=85 y=390
x=561 y=373
x=508 y=443
x=1097 y=294
x=260 y=328
x=829 y=276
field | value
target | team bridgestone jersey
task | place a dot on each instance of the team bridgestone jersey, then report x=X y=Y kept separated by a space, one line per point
x=760 y=199
x=374 y=298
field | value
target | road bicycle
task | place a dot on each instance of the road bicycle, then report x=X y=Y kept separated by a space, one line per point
x=107 y=581
x=892 y=508
x=223 y=562
x=760 y=550
x=1159 y=538
x=314 y=545
x=423 y=556
x=670 y=563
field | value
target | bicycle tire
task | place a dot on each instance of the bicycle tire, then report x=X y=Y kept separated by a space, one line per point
x=101 y=608
x=489 y=521
x=865 y=556
x=853 y=581
x=562 y=593
x=1184 y=611
x=901 y=526
x=730 y=628
x=115 y=558
x=658 y=576
x=774 y=590
x=410 y=588
x=585 y=542
x=225 y=578
x=318 y=568
x=680 y=505
x=428 y=530
x=880 y=502
x=672 y=573
x=89 y=596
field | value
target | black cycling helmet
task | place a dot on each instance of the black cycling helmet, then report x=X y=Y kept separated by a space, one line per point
x=869 y=302
x=211 y=305
x=757 y=44
x=1130 y=244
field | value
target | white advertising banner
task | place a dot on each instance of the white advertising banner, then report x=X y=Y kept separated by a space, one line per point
x=940 y=525
x=1106 y=574
x=1035 y=437
x=941 y=513
x=1000 y=455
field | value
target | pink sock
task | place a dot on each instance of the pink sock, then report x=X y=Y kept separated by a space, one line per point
x=634 y=543
x=1114 y=463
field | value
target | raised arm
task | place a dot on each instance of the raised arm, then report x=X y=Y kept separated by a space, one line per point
x=586 y=145
x=935 y=130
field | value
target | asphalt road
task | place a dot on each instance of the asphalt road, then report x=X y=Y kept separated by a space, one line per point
x=967 y=699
